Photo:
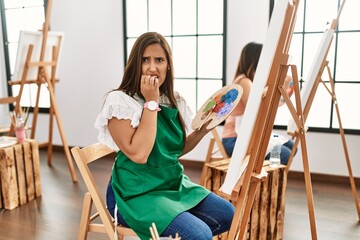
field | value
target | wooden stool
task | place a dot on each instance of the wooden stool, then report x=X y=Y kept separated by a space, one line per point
x=267 y=214
x=19 y=174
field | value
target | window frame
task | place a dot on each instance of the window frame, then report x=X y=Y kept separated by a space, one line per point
x=331 y=128
x=172 y=36
x=7 y=55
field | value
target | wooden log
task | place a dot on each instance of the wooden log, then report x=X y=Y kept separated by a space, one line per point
x=264 y=209
x=274 y=188
x=281 y=206
x=29 y=171
x=10 y=193
x=267 y=214
x=36 y=166
x=19 y=174
x=20 y=169
x=255 y=216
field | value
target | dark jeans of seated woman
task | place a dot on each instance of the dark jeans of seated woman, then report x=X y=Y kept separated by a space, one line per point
x=205 y=228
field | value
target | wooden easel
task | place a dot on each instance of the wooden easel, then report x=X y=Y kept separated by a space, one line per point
x=325 y=66
x=244 y=191
x=243 y=202
x=298 y=117
x=44 y=78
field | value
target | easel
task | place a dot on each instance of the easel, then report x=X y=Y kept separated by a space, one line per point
x=325 y=66
x=44 y=78
x=244 y=191
x=238 y=195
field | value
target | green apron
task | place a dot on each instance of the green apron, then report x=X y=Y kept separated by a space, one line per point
x=156 y=191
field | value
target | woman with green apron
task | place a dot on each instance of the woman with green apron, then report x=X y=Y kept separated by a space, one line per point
x=145 y=121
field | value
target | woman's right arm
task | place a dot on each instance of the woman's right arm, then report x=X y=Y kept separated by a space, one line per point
x=135 y=143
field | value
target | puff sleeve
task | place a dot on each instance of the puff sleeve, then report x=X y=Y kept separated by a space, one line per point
x=120 y=105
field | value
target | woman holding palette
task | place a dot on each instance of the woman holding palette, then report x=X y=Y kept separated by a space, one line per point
x=244 y=76
x=145 y=121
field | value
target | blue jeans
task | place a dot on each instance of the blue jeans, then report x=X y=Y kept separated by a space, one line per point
x=229 y=144
x=211 y=217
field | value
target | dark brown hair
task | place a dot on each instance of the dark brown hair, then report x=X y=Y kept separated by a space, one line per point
x=249 y=60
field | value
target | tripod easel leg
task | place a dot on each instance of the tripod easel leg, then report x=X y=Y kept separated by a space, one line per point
x=35 y=111
x=298 y=116
x=50 y=139
x=249 y=203
x=351 y=176
x=308 y=186
x=296 y=143
x=342 y=134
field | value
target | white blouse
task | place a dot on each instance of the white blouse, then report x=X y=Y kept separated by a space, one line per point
x=120 y=105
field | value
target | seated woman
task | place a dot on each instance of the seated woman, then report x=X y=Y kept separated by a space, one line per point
x=144 y=120
x=244 y=76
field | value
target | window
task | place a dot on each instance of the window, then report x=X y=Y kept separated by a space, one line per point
x=16 y=16
x=195 y=32
x=310 y=24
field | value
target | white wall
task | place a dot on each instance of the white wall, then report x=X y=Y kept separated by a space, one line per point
x=243 y=28
x=326 y=154
x=92 y=63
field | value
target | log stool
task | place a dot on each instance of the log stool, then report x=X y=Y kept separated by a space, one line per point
x=267 y=214
x=19 y=174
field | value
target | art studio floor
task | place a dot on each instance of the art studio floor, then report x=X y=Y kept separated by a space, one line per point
x=56 y=214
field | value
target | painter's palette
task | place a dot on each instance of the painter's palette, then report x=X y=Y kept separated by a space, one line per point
x=218 y=107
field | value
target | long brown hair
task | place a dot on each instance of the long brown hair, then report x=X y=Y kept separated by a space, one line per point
x=249 y=60
x=132 y=75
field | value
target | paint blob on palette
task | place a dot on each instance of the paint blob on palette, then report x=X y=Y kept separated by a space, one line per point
x=218 y=107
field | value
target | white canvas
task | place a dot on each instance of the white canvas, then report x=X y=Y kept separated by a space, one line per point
x=237 y=164
x=35 y=38
x=313 y=73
